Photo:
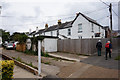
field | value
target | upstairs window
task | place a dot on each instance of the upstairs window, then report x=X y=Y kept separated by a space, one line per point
x=69 y=32
x=79 y=28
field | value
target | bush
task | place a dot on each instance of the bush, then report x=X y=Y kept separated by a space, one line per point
x=6 y=67
x=44 y=54
x=30 y=52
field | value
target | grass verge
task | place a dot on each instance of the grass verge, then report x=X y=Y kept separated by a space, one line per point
x=118 y=57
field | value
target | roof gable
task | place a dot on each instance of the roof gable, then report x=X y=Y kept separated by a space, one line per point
x=88 y=18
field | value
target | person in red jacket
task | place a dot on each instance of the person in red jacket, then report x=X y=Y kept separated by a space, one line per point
x=13 y=46
x=108 y=47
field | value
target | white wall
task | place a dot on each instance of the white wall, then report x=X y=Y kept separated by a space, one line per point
x=86 y=28
x=64 y=32
x=50 y=45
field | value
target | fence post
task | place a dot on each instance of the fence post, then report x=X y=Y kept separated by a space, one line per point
x=39 y=57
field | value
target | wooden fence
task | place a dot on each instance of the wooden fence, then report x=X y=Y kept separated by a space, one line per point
x=83 y=46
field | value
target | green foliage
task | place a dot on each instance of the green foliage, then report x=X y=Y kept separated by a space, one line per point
x=30 y=64
x=44 y=54
x=30 y=52
x=5 y=35
x=21 y=37
x=117 y=58
x=47 y=63
x=7 y=67
x=35 y=39
x=19 y=59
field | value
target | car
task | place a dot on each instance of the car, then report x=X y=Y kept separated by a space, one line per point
x=9 y=46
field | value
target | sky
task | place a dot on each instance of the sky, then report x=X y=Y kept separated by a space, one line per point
x=23 y=15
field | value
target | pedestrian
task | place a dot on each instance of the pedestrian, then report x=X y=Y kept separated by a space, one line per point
x=13 y=45
x=108 y=47
x=99 y=47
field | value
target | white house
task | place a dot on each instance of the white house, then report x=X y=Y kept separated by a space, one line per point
x=81 y=27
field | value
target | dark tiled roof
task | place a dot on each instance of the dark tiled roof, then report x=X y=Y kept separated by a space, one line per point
x=40 y=31
x=32 y=33
x=48 y=36
x=67 y=24
x=62 y=26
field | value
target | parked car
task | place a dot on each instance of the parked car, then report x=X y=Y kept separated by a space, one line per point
x=9 y=46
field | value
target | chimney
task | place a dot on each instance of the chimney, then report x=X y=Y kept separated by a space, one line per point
x=77 y=14
x=59 y=22
x=29 y=31
x=36 y=29
x=46 y=26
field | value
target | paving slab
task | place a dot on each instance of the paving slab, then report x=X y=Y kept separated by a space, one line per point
x=68 y=56
x=22 y=73
x=46 y=69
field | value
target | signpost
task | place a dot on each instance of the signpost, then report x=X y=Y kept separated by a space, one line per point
x=39 y=57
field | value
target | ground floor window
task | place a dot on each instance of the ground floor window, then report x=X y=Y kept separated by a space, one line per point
x=97 y=34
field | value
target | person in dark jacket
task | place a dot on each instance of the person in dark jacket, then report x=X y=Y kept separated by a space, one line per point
x=99 y=46
x=108 y=47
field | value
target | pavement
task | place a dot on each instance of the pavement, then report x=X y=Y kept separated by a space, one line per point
x=89 y=66
x=18 y=73
x=51 y=69
x=68 y=56
x=84 y=67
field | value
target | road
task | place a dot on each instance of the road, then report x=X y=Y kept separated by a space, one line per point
x=91 y=67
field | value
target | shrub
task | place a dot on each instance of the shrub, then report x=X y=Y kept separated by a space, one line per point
x=19 y=59
x=6 y=67
x=30 y=52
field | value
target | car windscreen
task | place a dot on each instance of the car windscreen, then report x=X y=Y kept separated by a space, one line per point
x=10 y=44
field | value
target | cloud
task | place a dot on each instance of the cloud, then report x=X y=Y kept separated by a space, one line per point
x=27 y=15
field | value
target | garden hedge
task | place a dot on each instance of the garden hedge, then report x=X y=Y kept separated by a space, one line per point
x=6 y=69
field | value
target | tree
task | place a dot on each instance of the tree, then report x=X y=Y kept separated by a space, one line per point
x=5 y=35
x=21 y=37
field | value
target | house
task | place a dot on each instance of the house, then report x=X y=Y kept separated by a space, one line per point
x=107 y=31
x=81 y=27
x=116 y=33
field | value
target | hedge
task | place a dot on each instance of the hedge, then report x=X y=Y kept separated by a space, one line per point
x=6 y=68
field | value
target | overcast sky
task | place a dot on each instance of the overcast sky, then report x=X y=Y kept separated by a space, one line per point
x=22 y=15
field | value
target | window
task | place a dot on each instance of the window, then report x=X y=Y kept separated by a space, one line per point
x=79 y=28
x=69 y=32
x=51 y=33
x=92 y=28
x=80 y=37
x=57 y=33
x=97 y=34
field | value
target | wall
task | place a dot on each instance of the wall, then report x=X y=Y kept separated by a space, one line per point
x=50 y=45
x=83 y=46
x=64 y=32
x=86 y=28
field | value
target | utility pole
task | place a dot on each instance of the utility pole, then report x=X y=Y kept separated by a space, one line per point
x=110 y=10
